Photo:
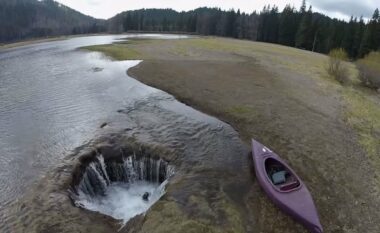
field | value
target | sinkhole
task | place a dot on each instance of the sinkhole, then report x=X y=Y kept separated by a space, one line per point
x=122 y=185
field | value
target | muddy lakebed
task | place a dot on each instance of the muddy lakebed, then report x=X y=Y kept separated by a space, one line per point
x=78 y=133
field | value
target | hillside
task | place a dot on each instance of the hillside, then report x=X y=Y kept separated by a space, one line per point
x=21 y=19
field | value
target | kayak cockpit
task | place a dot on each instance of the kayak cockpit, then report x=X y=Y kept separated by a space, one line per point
x=280 y=176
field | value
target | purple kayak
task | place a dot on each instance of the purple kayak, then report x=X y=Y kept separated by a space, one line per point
x=284 y=187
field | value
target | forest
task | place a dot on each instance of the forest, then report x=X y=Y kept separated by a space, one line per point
x=301 y=28
x=23 y=19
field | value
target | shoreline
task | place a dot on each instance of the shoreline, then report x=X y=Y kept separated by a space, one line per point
x=15 y=44
x=31 y=41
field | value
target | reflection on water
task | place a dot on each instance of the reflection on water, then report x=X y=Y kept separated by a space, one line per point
x=52 y=101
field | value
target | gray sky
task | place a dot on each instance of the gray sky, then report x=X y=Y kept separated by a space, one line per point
x=334 y=8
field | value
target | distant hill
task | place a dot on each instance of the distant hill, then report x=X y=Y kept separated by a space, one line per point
x=21 y=19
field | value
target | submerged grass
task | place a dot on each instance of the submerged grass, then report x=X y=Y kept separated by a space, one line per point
x=116 y=51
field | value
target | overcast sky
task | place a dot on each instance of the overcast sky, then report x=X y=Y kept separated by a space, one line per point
x=335 y=8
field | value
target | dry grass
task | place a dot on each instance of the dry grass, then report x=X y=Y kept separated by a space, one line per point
x=369 y=70
x=336 y=66
x=363 y=114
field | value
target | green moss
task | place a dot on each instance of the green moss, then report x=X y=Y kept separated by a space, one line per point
x=116 y=51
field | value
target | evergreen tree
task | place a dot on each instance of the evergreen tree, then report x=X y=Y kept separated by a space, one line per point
x=359 y=31
x=288 y=26
x=303 y=7
x=20 y=19
x=349 y=37
x=273 y=25
x=371 y=35
x=230 y=25
x=165 y=25
x=304 y=37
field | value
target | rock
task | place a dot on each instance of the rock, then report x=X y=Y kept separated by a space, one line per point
x=145 y=197
x=97 y=69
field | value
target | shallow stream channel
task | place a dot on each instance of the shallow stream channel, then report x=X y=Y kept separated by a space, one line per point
x=85 y=148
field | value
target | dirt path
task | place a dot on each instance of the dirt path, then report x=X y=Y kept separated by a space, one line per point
x=279 y=96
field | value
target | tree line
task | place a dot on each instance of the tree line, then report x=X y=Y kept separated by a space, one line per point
x=301 y=28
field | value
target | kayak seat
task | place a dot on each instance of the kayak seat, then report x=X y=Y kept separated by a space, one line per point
x=290 y=186
x=279 y=177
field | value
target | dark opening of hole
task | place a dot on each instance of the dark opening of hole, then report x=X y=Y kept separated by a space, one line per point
x=106 y=175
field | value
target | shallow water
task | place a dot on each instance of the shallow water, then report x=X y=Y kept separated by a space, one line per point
x=53 y=98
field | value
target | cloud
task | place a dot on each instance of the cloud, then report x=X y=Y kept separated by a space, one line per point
x=109 y=8
x=347 y=7
x=94 y=2
x=335 y=8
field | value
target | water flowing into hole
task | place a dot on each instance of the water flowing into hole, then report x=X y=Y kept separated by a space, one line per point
x=122 y=188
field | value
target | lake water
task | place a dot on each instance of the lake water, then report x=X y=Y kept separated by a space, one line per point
x=53 y=98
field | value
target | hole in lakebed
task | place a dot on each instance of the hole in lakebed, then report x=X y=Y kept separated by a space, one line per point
x=122 y=185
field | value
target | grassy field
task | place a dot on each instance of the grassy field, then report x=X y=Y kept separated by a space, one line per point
x=284 y=98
